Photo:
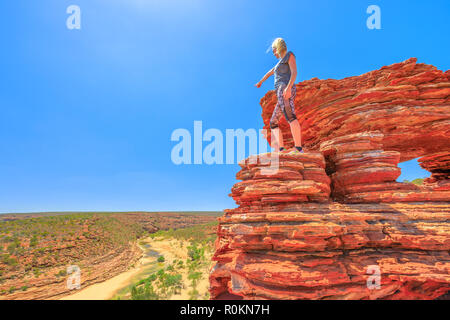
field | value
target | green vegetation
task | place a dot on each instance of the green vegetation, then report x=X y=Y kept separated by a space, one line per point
x=159 y=285
x=417 y=181
x=62 y=273
x=164 y=283
x=202 y=233
x=196 y=253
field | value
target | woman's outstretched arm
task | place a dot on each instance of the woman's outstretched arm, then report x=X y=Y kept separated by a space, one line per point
x=267 y=75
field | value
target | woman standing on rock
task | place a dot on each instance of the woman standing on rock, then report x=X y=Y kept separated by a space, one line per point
x=285 y=73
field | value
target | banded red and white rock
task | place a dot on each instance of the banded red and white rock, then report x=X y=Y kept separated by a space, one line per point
x=361 y=172
x=324 y=250
x=281 y=178
x=438 y=164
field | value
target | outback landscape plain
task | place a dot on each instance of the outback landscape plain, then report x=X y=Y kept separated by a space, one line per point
x=130 y=255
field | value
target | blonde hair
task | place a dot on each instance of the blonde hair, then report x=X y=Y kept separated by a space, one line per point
x=279 y=45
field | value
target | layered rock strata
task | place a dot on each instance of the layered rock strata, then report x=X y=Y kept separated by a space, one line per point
x=331 y=250
x=362 y=172
x=280 y=180
x=439 y=166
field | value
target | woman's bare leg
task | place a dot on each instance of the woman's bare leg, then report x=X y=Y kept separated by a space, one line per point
x=278 y=141
x=296 y=133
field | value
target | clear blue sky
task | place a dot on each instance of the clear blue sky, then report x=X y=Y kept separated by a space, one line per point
x=86 y=115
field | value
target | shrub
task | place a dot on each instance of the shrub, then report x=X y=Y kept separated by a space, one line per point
x=194 y=277
x=62 y=273
x=160 y=273
x=145 y=292
x=193 y=295
x=195 y=253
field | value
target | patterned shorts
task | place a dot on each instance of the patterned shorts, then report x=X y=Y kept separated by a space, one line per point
x=288 y=111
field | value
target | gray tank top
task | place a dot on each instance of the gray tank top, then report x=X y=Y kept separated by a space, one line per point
x=282 y=72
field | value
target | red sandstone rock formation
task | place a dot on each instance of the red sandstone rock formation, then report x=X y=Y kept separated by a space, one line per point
x=439 y=166
x=289 y=239
x=281 y=180
x=362 y=172
x=323 y=251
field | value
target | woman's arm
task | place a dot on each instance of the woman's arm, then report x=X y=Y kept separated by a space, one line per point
x=293 y=67
x=267 y=75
